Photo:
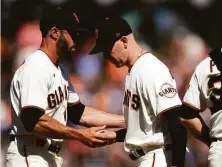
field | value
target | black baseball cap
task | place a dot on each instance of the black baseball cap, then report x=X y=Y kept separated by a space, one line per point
x=110 y=30
x=62 y=19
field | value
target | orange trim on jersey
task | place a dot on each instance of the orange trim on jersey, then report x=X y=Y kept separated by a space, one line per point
x=190 y=105
x=25 y=154
x=154 y=158
x=71 y=104
x=33 y=107
x=158 y=115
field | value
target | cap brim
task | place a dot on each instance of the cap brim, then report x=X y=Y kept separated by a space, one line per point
x=101 y=47
x=80 y=33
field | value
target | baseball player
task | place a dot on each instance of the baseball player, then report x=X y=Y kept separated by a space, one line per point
x=205 y=92
x=154 y=134
x=43 y=99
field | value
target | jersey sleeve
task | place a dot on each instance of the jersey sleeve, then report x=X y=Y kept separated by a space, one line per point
x=34 y=89
x=193 y=96
x=160 y=91
x=166 y=93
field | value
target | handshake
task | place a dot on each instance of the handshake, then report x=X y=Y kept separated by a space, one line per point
x=97 y=137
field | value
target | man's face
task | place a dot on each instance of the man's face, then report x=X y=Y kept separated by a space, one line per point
x=68 y=47
x=116 y=54
x=65 y=46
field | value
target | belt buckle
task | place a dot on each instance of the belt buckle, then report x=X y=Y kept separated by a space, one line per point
x=54 y=147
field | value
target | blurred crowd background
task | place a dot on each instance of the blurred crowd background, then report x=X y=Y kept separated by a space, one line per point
x=179 y=32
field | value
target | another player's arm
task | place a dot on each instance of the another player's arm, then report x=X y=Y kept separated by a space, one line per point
x=191 y=119
x=94 y=117
x=194 y=103
x=79 y=113
x=40 y=124
x=89 y=117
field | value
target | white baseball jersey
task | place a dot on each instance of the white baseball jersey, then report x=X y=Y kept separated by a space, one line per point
x=150 y=90
x=39 y=83
x=202 y=93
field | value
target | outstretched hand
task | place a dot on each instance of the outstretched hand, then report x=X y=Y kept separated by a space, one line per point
x=98 y=137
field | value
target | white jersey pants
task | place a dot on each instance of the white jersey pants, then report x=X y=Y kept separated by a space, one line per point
x=161 y=158
x=215 y=154
x=20 y=155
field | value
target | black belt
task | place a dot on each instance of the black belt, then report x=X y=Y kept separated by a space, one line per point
x=135 y=154
x=215 y=139
x=53 y=147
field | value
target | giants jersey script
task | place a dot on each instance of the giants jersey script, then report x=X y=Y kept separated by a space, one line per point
x=203 y=92
x=39 y=83
x=150 y=90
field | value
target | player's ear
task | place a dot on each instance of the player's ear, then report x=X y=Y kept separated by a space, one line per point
x=54 y=33
x=124 y=40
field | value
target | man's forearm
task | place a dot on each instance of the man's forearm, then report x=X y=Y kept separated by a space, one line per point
x=93 y=117
x=48 y=127
x=198 y=128
x=51 y=128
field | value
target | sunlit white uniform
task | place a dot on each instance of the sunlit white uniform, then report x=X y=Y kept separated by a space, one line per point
x=203 y=93
x=38 y=83
x=150 y=90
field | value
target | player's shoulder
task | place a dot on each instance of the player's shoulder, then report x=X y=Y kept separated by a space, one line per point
x=205 y=62
x=153 y=65
x=150 y=63
x=203 y=65
x=38 y=61
x=38 y=58
x=37 y=64
x=150 y=67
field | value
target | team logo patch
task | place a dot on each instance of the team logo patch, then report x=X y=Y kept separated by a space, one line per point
x=167 y=90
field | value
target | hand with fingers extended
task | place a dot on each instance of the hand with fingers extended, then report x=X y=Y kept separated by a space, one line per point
x=97 y=137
